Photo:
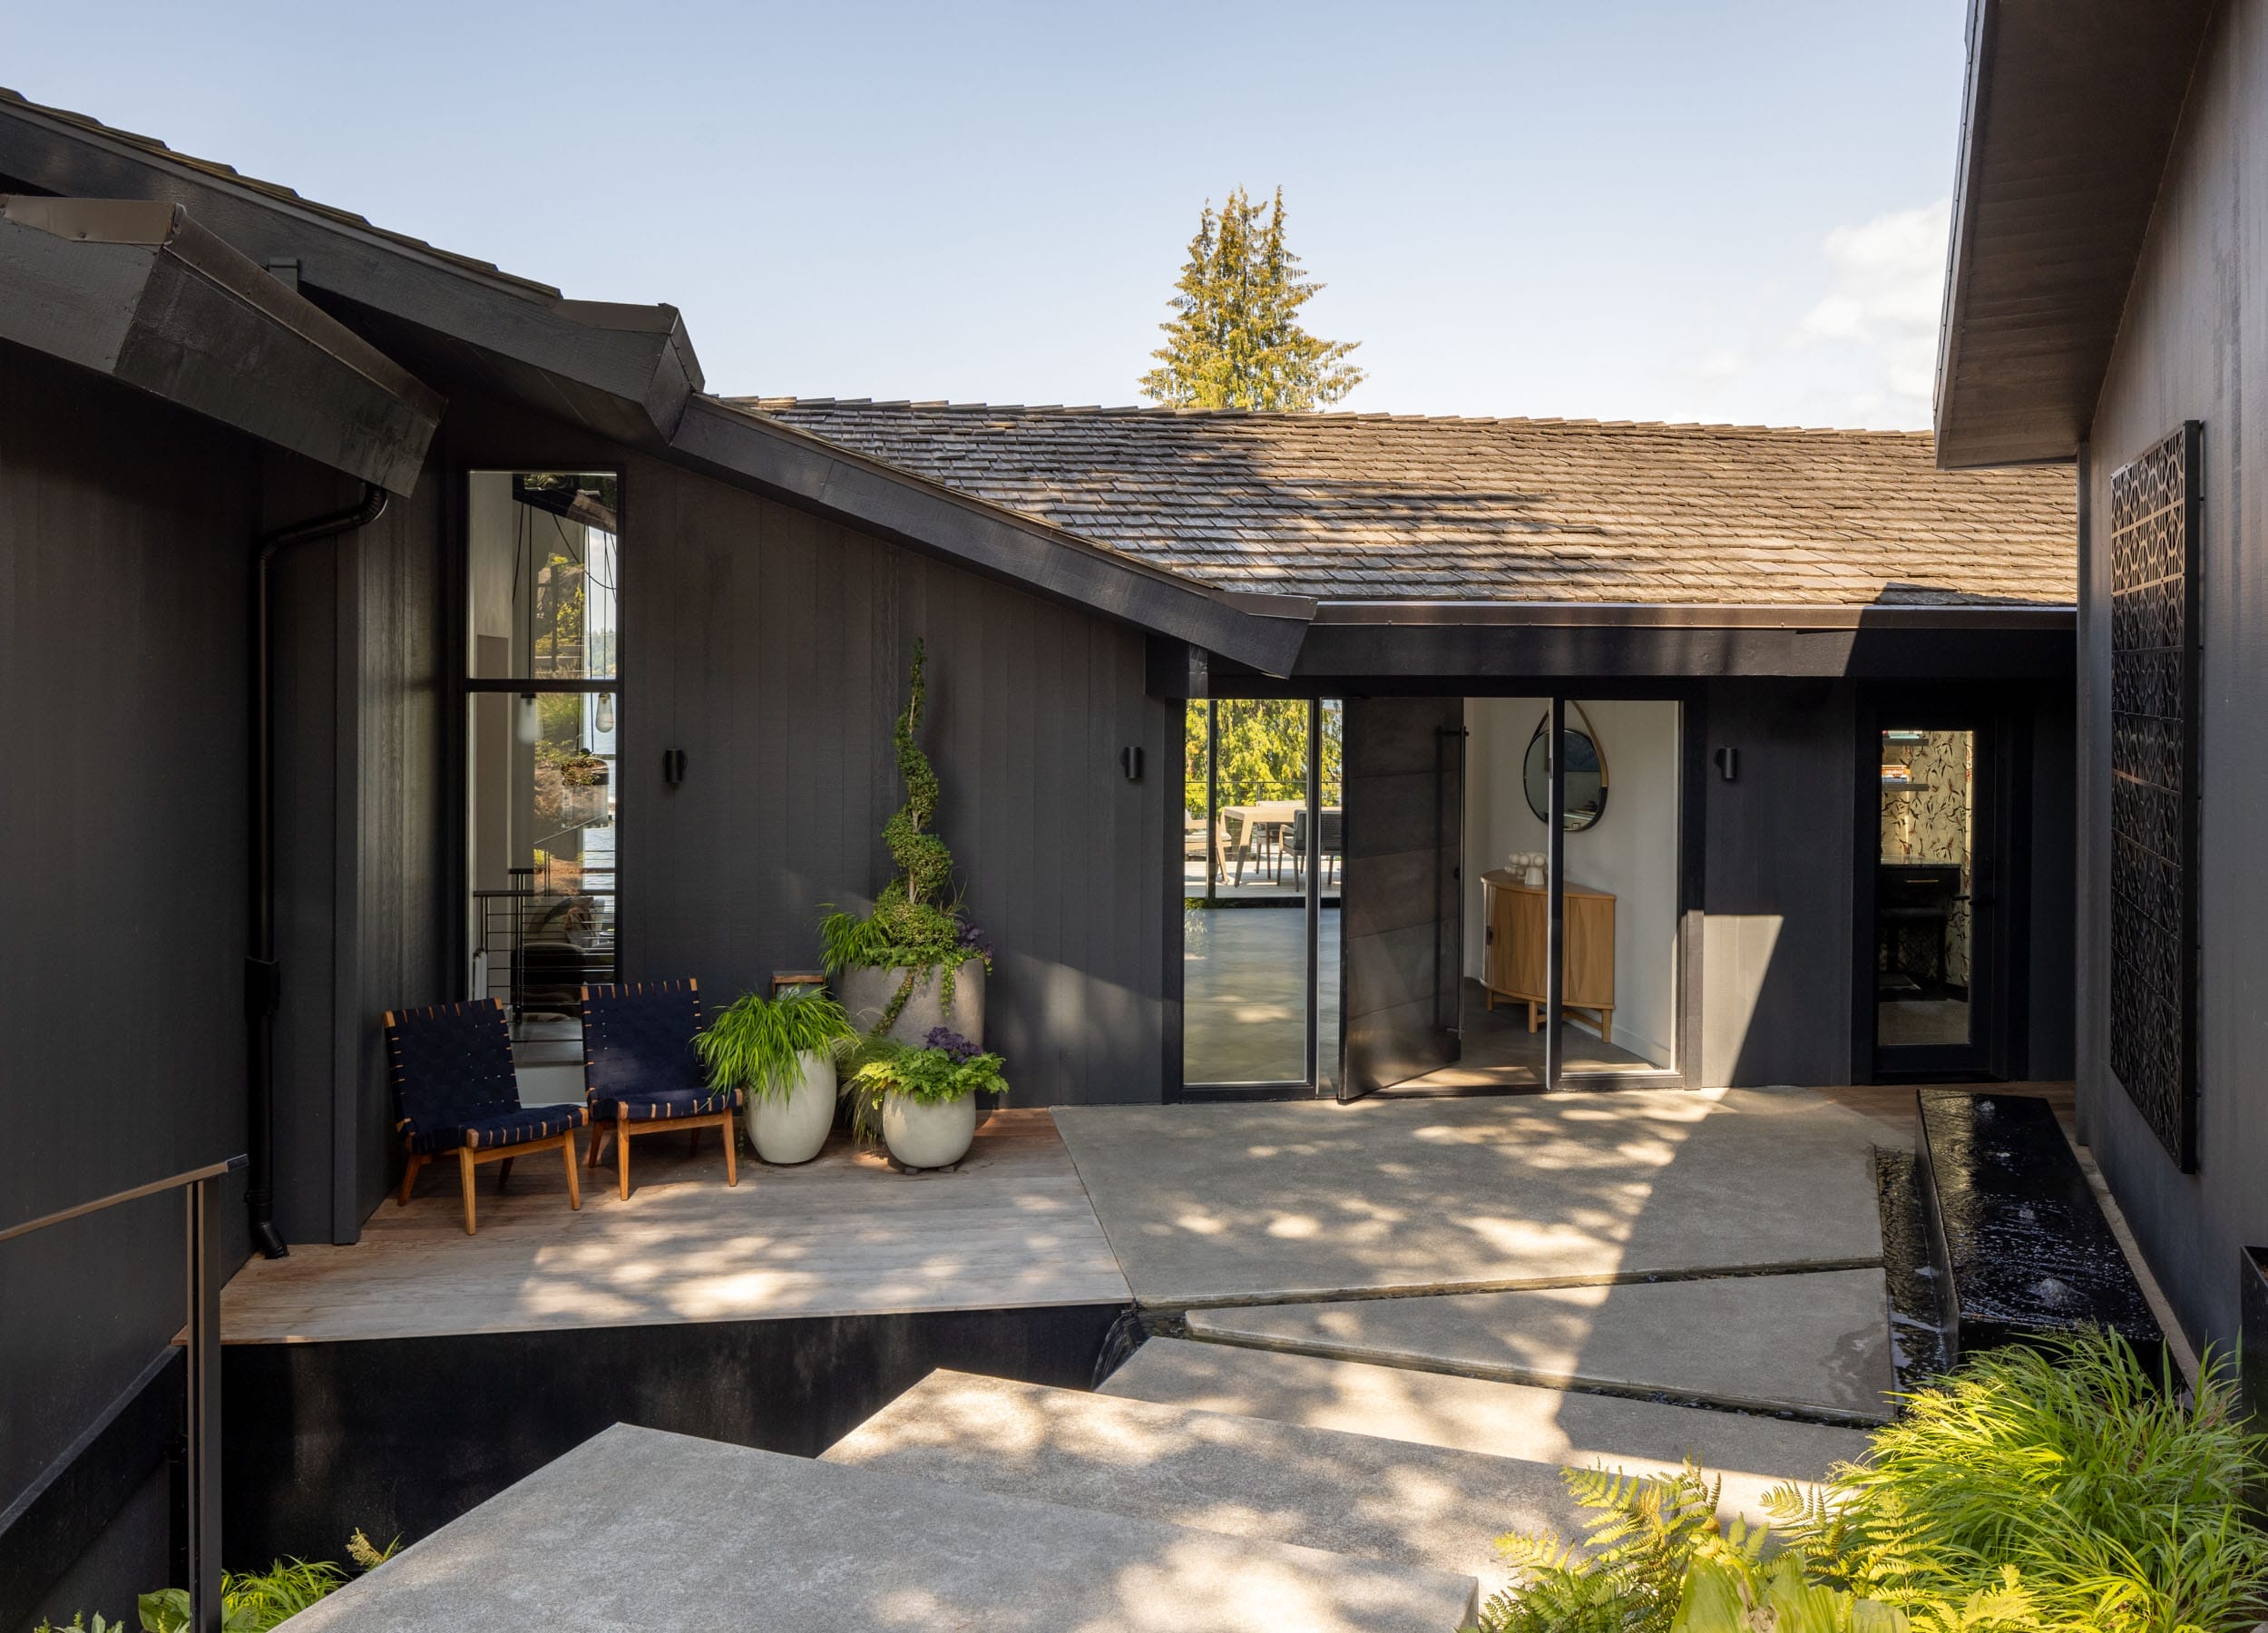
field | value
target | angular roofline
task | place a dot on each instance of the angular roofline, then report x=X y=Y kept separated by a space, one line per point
x=767 y=405
x=136 y=290
x=627 y=372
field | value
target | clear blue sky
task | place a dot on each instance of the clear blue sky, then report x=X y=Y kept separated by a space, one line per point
x=1718 y=212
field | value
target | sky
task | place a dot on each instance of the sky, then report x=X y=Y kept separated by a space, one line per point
x=1725 y=212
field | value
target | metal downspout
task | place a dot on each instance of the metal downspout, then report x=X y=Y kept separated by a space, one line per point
x=263 y=983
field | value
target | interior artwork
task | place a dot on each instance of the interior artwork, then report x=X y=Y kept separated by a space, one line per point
x=1924 y=885
x=1586 y=773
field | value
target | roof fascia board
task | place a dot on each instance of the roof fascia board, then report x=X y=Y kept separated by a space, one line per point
x=1983 y=18
x=1263 y=631
x=1670 y=616
x=640 y=355
x=1343 y=657
x=139 y=292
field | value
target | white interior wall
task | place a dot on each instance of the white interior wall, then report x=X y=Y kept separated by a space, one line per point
x=1631 y=850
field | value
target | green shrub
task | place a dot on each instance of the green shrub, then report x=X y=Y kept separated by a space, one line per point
x=2037 y=1490
x=254 y=1601
x=2119 y=1502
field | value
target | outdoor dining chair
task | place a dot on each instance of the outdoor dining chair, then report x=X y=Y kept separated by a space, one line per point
x=456 y=1089
x=641 y=1075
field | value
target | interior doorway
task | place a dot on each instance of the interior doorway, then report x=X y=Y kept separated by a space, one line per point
x=1932 y=924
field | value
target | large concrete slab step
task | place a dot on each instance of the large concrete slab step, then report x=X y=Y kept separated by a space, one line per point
x=1396 y=1501
x=638 y=1530
x=1236 y=1204
x=1815 y=1344
x=1752 y=1453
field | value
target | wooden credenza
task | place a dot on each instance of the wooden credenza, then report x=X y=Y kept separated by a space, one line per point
x=1514 y=960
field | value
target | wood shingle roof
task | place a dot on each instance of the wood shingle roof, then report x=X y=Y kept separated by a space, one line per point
x=1380 y=507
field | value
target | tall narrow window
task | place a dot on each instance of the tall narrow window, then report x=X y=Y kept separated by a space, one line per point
x=543 y=666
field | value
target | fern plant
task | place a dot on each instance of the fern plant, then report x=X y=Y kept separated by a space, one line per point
x=1626 y=1575
x=755 y=1043
x=2117 y=1500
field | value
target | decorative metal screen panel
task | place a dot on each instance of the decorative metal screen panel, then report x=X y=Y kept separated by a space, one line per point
x=2155 y=509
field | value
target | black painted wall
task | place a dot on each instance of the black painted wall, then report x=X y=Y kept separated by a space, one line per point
x=1776 y=956
x=1781 y=880
x=124 y=541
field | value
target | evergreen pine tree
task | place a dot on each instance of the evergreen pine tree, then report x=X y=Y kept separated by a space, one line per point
x=1234 y=339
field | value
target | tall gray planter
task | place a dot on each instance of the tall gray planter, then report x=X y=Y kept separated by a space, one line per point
x=866 y=993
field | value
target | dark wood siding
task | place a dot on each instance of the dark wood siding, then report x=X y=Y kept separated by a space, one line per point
x=771 y=647
x=1780 y=886
x=124 y=539
x=2190 y=348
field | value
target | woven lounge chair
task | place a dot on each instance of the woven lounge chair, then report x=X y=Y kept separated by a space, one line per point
x=641 y=1075
x=455 y=1090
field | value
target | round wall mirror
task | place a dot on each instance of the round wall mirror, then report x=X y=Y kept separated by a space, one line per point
x=1585 y=775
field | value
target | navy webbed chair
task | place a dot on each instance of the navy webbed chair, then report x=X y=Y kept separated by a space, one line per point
x=640 y=1075
x=455 y=1090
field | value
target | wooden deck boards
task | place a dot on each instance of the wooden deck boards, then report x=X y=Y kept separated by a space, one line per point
x=845 y=1235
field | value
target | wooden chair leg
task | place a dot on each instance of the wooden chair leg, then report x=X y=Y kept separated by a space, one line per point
x=409 y=1177
x=503 y=1172
x=464 y=1173
x=732 y=1151
x=574 y=1180
x=693 y=1144
x=598 y=1138
x=622 y=1156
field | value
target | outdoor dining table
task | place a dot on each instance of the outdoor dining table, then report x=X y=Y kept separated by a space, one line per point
x=1270 y=814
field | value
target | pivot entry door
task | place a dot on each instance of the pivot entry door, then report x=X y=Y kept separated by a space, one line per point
x=1401 y=901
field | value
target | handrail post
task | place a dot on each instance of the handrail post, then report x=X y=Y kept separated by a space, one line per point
x=204 y=1415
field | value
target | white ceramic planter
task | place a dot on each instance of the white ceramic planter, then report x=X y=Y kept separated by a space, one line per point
x=791 y=1126
x=866 y=994
x=931 y=1135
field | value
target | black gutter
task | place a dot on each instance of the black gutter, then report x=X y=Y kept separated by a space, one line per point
x=263 y=977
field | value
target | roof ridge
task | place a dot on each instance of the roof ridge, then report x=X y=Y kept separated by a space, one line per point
x=769 y=404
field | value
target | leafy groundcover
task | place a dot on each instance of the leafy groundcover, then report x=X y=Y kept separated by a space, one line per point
x=2051 y=1490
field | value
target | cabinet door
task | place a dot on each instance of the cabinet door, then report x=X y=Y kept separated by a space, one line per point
x=1530 y=916
x=1591 y=951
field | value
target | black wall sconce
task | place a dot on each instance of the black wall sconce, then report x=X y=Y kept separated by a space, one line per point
x=1728 y=763
x=673 y=766
x=1130 y=762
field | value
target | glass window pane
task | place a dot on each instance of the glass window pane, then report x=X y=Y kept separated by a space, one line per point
x=1923 y=886
x=1244 y=941
x=544 y=554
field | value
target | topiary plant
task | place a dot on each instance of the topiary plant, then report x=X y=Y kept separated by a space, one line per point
x=916 y=923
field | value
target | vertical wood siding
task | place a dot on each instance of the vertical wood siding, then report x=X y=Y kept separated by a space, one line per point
x=772 y=648
x=124 y=531
x=2191 y=346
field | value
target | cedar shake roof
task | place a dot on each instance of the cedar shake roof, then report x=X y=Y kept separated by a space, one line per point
x=1384 y=507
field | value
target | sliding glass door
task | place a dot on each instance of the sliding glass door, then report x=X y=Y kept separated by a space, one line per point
x=1262 y=848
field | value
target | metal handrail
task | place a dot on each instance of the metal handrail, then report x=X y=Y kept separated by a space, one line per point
x=189 y=1176
x=202 y=1291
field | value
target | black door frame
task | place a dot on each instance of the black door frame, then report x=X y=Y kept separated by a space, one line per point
x=1688 y=693
x=1177 y=1088
x=1999 y=888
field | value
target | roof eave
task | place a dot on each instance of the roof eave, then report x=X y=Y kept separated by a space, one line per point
x=138 y=291
x=2069 y=119
x=1973 y=615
